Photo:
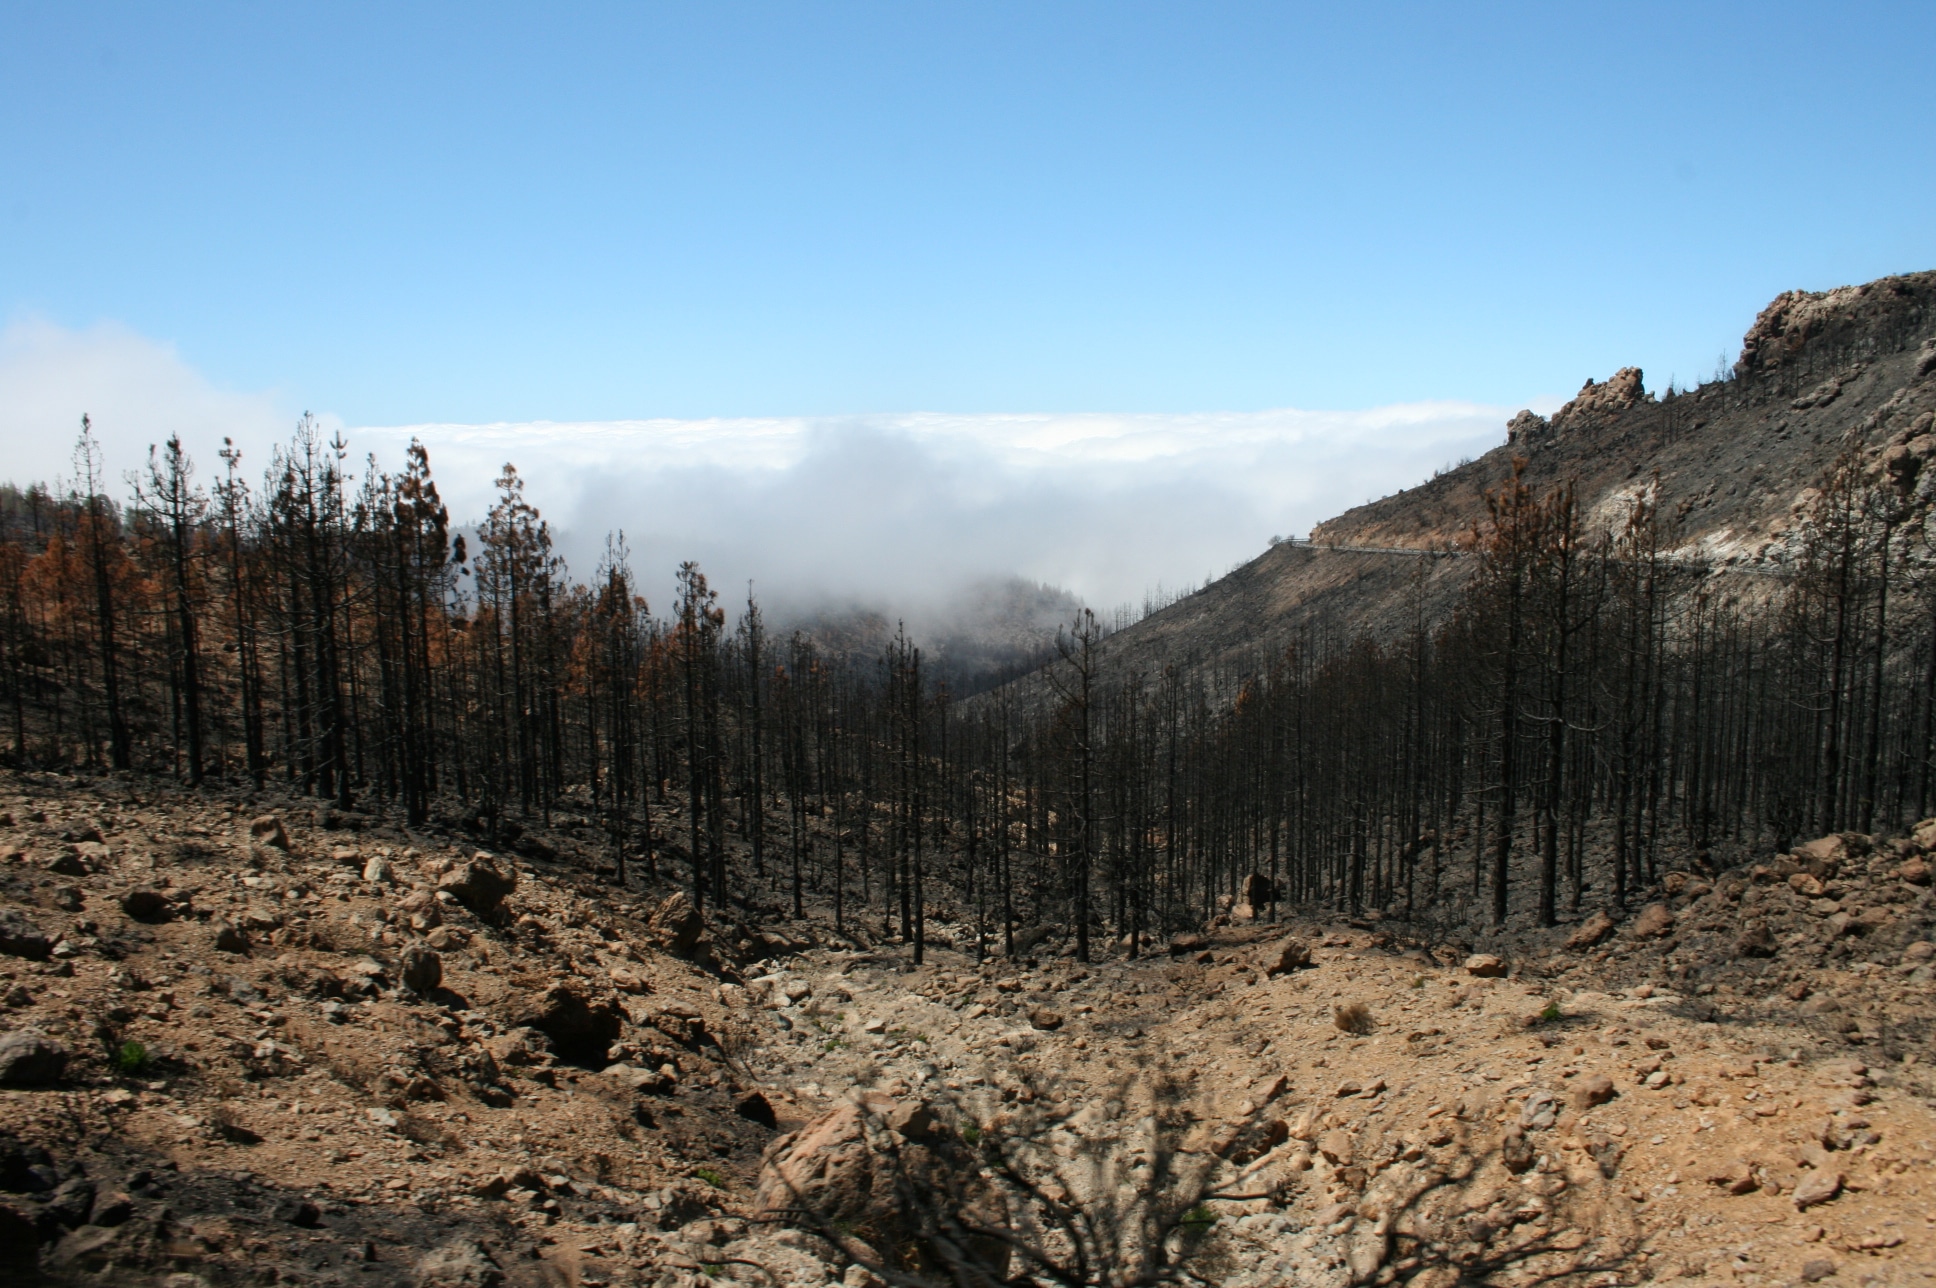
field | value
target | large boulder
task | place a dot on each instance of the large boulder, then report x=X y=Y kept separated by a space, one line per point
x=480 y=883
x=677 y=923
x=827 y=1174
x=30 y=1059
x=849 y=1174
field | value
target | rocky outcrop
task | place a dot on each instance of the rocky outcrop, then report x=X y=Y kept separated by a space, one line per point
x=1599 y=401
x=1803 y=333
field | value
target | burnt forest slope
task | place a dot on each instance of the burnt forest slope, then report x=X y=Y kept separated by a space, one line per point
x=246 y=1040
x=1735 y=457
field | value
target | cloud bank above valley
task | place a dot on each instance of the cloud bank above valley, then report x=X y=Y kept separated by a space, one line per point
x=893 y=511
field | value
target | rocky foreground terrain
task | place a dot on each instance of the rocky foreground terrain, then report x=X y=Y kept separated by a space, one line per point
x=245 y=1040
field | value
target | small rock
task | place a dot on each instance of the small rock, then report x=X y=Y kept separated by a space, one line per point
x=1827 y=849
x=268 y=830
x=1654 y=921
x=378 y=871
x=1269 y=1088
x=1539 y=1111
x=463 y=1264
x=755 y=1107
x=910 y=1118
x=1734 y=1176
x=145 y=904
x=1485 y=966
x=423 y=971
x=480 y=884
x=1335 y=1145
x=1291 y=955
x=1044 y=1018
x=89 y=1247
x=1920 y=951
x=30 y=1059
x=71 y=1201
x=1595 y=1089
x=446 y=938
x=423 y=910
x=1755 y=940
x=111 y=1208
x=1816 y=1269
x=20 y=937
x=1591 y=931
x=875 y=1025
x=299 y=1212
x=1819 y=1186
x=1184 y=945
x=230 y=938
x=1915 y=872
x=67 y=865
x=1516 y=1151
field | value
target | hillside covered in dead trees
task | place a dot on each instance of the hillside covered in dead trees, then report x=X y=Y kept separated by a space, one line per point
x=382 y=903
x=1604 y=691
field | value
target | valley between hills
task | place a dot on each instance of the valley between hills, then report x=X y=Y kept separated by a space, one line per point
x=1549 y=904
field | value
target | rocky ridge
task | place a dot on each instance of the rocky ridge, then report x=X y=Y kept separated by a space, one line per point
x=1736 y=458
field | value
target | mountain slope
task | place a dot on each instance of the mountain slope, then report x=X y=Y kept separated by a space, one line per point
x=1735 y=457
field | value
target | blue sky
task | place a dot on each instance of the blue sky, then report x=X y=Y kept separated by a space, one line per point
x=407 y=215
x=415 y=213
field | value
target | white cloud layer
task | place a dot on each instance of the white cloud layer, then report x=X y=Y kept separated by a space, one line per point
x=138 y=392
x=895 y=510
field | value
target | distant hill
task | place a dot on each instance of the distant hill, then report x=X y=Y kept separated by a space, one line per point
x=987 y=634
